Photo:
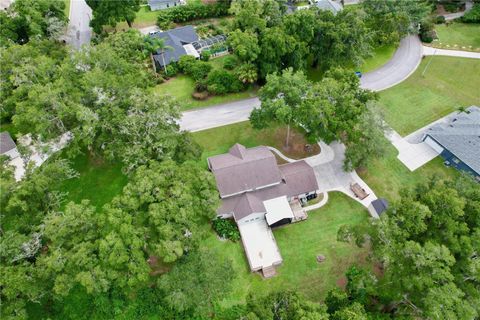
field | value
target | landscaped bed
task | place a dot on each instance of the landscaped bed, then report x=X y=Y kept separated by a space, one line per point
x=439 y=86
x=459 y=36
x=299 y=245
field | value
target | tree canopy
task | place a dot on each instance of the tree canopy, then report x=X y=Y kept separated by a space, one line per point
x=109 y=13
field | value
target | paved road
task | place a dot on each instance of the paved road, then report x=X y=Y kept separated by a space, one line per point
x=405 y=60
x=429 y=51
x=452 y=16
x=79 y=32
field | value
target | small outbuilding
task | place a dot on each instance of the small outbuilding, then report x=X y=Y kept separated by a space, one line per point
x=378 y=206
x=164 y=4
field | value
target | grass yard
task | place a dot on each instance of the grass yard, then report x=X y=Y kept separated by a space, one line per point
x=381 y=55
x=387 y=175
x=448 y=83
x=299 y=245
x=145 y=18
x=460 y=36
x=98 y=182
x=67 y=8
x=219 y=140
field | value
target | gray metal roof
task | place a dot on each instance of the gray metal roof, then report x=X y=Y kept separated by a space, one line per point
x=329 y=5
x=380 y=205
x=6 y=142
x=175 y=39
x=461 y=137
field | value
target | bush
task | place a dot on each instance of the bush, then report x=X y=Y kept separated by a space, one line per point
x=192 y=11
x=427 y=33
x=186 y=62
x=201 y=85
x=440 y=20
x=205 y=55
x=226 y=228
x=473 y=16
x=199 y=70
x=172 y=70
x=222 y=82
x=230 y=62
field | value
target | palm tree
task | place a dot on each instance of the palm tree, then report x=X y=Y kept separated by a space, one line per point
x=153 y=45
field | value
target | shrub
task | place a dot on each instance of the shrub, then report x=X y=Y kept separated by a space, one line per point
x=192 y=11
x=171 y=70
x=201 y=85
x=222 y=82
x=440 y=20
x=473 y=16
x=226 y=228
x=205 y=55
x=186 y=62
x=200 y=95
x=230 y=62
x=247 y=73
x=427 y=34
x=199 y=70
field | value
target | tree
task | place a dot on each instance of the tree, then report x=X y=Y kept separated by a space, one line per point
x=247 y=73
x=154 y=45
x=27 y=19
x=281 y=100
x=255 y=15
x=244 y=45
x=111 y=12
x=392 y=20
x=170 y=201
x=197 y=282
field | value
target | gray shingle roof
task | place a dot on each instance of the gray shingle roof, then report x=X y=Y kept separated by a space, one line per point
x=461 y=137
x=175 y=39
x=329 y=5
x=380 y=205
x=6 y=142
x=244 y=169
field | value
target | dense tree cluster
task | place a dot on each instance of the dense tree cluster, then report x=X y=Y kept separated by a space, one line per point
x=333 y=109
x=428 y=245
x=109 y=13
x=24 y=20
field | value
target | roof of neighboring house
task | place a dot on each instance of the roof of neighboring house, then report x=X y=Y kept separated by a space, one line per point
x=461 y=137
x=380 y=205
x=329 y=5
x=6 y=142
x=175 y=39
x=155 y=2
x=244 y=169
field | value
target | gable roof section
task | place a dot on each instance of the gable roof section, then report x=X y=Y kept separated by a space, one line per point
x=6 y=142
x=329 y=5
x=461 y=137
x=243 y=169
x=175 y=39
x=247 y=204
x=299 y=178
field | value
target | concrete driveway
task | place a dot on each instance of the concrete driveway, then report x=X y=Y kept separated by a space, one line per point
x=79 y=32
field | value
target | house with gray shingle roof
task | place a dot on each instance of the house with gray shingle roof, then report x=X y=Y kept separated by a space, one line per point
x=259 y=195
x=458 y=142
x=8 y=146
x=164 y=4
x=328 y=5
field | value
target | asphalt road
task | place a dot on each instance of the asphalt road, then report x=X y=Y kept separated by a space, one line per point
x=79 y=32
x=404 y=62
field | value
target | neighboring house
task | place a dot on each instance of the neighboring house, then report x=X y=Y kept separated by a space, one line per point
x=458 y=142
x=259 y=195
x=8 y=146
x=378 y=206
x=329 y=5
x=182 y=41
x=164 y=4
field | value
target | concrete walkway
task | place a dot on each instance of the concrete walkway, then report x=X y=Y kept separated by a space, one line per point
x=429 y=51
x=328 y=167
x=456 y=15
x=319 y=204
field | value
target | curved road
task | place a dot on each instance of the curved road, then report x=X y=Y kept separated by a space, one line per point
x=404 y=62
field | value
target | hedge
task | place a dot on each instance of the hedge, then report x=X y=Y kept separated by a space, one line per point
x=191 y=12
x=226 y=228
x=473 y=16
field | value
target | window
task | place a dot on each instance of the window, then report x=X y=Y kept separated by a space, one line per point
x=455 y=160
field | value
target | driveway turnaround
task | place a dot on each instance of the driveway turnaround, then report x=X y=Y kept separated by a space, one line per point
x=404 y=62
x=79 y=31
x=328 y=168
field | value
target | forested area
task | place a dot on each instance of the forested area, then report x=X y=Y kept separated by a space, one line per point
x=139 y=256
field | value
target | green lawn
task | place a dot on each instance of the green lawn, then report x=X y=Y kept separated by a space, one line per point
x=380 y=56
x=99 y=181
x=447 y=84
x=145 y=18
x=460 y=36
x=299 y=245
x=182 y=87
x=67 y=8
x=219 y=140
x=387 y=175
